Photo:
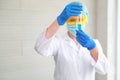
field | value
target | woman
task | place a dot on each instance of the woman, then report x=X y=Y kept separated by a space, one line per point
x=77 y=56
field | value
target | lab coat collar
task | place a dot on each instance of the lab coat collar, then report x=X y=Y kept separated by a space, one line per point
x=72 y=43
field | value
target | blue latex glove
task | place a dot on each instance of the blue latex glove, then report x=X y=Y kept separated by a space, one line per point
x=72 y=9
x=85 y=40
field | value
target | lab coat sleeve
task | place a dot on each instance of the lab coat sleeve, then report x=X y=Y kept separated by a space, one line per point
x=46 y=47
x=102 y=64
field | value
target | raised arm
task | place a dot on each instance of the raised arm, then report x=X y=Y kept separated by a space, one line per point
x=52 y=29
x=88 y=42
x=72 y=9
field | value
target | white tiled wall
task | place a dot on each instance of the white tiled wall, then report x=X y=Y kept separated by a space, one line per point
x=20 y=23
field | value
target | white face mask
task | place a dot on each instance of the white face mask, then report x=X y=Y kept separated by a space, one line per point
x=72 y=29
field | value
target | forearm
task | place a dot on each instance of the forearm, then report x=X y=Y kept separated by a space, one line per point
x=52 y=29
x=94 y=53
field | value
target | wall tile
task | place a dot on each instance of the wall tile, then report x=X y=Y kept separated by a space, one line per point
x=10 y=48
x=10 y=4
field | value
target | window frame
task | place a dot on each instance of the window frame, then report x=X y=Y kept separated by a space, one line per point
x=118 y=40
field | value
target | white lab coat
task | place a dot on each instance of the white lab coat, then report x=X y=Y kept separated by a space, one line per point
x=71 y=62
